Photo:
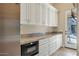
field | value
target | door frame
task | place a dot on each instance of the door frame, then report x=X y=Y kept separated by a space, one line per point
x=67 y=14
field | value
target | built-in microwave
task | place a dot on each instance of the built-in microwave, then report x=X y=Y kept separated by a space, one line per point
x=30 y=49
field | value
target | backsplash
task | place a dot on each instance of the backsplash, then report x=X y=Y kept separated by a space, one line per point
x=29 y=29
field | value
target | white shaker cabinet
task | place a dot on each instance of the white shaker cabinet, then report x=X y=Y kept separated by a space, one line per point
x=55 y=42
x=32 y=14
x=52 y=16
x=43 y=47
x=55 y=18
x=43 y=50
x=48 y=46
x=29 y=13
x=44 y=14
x=59 y=40
x=24 y=13
x=52 y=44
x=38 y=14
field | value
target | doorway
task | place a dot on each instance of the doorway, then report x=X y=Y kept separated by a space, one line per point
x=70 y=30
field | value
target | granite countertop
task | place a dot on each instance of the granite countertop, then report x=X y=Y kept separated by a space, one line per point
x=31 y=38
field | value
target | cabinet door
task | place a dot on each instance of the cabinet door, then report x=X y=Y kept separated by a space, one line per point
x=27 y=13
x=59 y=40
x=43 y=50
x=48 y=12
x=43 y=47
x=46 y=21
x=24 y=13
x=32 y=13
x=55 y=17
x=50 y=16
x=43 y=41
x=44 y=14
x=52 y=45
x=38 y=14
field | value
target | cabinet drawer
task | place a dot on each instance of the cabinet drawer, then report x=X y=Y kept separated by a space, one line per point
x=43 y=41
x=43 y=49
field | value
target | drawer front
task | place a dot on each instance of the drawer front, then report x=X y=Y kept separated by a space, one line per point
x=43 y=49
x=43 y=41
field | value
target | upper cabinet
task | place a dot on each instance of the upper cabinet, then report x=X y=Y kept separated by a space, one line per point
x=38 y=14
x=44 y=14
x=23 y=17
x=27 y=13
x=55 y=23
x=52 y=16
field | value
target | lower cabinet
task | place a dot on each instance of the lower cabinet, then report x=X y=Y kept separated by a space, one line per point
x=43 y=50
x=50 y=45
x=59 y=41
x=43 y=47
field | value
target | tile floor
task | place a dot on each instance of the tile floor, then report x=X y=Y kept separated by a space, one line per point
x=65 y=52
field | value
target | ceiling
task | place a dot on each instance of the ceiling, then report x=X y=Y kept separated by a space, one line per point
x=63 y=6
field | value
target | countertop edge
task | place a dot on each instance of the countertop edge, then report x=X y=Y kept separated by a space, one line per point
x=38 y=38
